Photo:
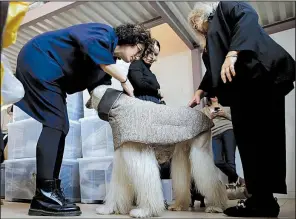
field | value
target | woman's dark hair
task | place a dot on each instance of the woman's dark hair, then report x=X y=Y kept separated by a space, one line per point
x=149 y=47
x=132 y=34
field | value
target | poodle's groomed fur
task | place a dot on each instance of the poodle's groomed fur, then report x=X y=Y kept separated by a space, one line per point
x=136 y=176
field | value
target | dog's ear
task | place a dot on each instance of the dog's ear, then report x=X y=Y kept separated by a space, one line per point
x=88 y=104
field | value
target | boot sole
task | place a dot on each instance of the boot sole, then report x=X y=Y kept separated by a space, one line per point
x=35 y=212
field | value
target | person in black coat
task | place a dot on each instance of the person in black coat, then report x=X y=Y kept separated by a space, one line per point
x=144 y=81
x=61 y=62
x=246 y=69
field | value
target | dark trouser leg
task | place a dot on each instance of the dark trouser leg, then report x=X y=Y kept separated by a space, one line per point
x=218 y=152
x=260 y=135
x=49 y=200
x=50 y=149
x=229 y=143
x=60 y=154
x=258 y=117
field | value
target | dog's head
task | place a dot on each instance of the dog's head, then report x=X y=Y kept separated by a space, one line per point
x=96 y=96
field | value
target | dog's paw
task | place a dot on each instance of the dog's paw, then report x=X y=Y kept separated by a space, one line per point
x=213 y=209
x=140 y=213
x=178 y=208
x=104 y=210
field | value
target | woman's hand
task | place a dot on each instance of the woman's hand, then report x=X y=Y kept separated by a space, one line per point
x=213 y=115
x=221 y=112
x=196 y=98
x=128 y=88
x=227 y=70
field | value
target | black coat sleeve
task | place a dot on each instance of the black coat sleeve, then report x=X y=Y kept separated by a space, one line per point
x=243 y=27
x=206 y=82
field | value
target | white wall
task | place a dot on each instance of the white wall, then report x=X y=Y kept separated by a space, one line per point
x=287 y=40
x=174 y=74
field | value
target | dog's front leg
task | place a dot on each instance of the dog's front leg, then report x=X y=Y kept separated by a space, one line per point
x=120 y=195
x=181 y=177
x=144 y=175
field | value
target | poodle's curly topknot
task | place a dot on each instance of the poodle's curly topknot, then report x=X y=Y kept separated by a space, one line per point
x=132 y=34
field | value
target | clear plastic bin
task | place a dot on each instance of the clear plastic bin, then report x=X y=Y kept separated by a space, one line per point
x=75 y=106
x=96 y=138
x=23 y=137
x=20 y=179
x=95 y=176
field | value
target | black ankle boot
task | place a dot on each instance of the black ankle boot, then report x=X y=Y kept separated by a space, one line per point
x=60 y=190
x=50 y=201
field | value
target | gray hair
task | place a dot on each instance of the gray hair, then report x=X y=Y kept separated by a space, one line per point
x=203 y=10
x=199 y=14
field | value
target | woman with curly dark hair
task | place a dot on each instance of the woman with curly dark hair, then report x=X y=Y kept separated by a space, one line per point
x=146 y=86
x=62 y=62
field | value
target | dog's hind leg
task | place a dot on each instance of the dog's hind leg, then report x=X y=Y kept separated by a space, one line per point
x=144 y=175
x=120 y=194
x=181 y=177
x=205 y=173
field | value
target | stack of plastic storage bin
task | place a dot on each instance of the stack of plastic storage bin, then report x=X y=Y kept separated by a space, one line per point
x=97 y=151
x=20 y=168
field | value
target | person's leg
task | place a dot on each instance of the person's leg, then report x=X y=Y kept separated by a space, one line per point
x=229 y=144
x=48 y=199
x=258 y=118
x=236 y=188
x=218 y=152
x=60 y=154
x=48 y=155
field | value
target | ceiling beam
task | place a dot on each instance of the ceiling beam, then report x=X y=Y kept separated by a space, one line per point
x=45 y=11
x=170 y=18
x=280 y=26
x=153 y=22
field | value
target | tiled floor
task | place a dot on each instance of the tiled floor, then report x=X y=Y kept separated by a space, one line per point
x=20 y=210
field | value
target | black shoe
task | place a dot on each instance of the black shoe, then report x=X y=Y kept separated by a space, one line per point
x=253 y=208
x=49 y=201
x=60 y=190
